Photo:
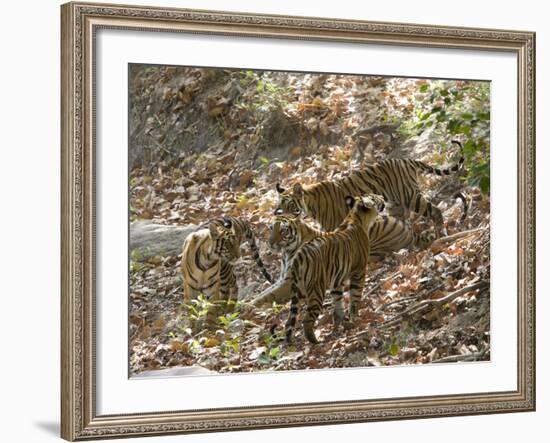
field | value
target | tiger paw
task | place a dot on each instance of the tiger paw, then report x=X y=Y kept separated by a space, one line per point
x=310 y=335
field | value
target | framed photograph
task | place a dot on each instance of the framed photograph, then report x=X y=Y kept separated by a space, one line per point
x=277 y=221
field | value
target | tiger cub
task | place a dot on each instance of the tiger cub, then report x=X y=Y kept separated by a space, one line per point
x=394 y=179
x=288 y=232
x=328 y=261
x=208 y=258
x=387 y=234
x=244 y=231
x=206 y=264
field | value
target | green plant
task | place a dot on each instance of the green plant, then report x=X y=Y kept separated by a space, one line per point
x=460 y=110
x=230 y=346
x=401 y=339
x=136 y=258
x=277 y=308
x=268 y=95
x=270 y=356
x=225 y=320
x=198 y=308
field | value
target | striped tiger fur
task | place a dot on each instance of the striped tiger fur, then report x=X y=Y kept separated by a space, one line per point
x=387 y=234
x=207 y=263
x=208 y=259
x=328 y=261
x=288 y=232
x=394 y=179
x=244 y=231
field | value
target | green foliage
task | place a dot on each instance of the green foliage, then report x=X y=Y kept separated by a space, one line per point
x=270 y=356
x=461 y=110
x=230 y=346
x=136 y=259
x=264 y=160
x=199 y=307
x=393 y=349
x=401 y=339
x=268 y=95
x=277 y=308
x=225 y=320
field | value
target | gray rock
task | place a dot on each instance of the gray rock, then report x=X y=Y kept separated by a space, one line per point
x=176 y=371
x=150 y=239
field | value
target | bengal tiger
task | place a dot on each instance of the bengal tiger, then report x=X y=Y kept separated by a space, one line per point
x=394 y=179
x=288 y=232
x=328 y=261
x=208 y=258
x=387 y=234
x=244 y=231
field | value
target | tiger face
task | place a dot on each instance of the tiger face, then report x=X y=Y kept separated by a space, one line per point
x=290 y=200
x=283 y=234
x=225 y=244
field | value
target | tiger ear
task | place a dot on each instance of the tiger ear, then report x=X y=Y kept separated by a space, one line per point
x=213 y=230
x=278 y=211
x=279 y=188
x=298 y=190
x=350 y=201
x=380 y=203
x=227 y=222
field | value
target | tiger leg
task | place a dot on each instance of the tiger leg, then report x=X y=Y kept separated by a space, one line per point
x=356 y=285
x=189 y=293
x=293 y=314
x=420 y=205
x=337 y=306
x=314 y=307
x=214 y=308
x=228 y=288
x=398 y=210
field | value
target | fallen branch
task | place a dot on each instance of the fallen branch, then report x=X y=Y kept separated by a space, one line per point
x=462 y=357
x=451 y=238
x=380 y=283
x=410 y=298
x=426 y=305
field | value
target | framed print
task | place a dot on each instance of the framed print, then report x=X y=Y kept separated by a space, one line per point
x=282 y=221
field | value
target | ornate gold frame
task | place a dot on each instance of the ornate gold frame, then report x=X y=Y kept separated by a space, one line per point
x=79 y=420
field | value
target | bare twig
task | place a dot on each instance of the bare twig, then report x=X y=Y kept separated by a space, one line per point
x=426 y=305
x=380 y=283
x=410 y=298
x=462 y=357
x=484 y=247
x=162 y=148
x=451 y=238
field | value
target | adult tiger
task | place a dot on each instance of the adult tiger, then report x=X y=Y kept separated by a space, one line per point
x=208 y=260
x=389 y=234
x=394 y=179
x=328 y=261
